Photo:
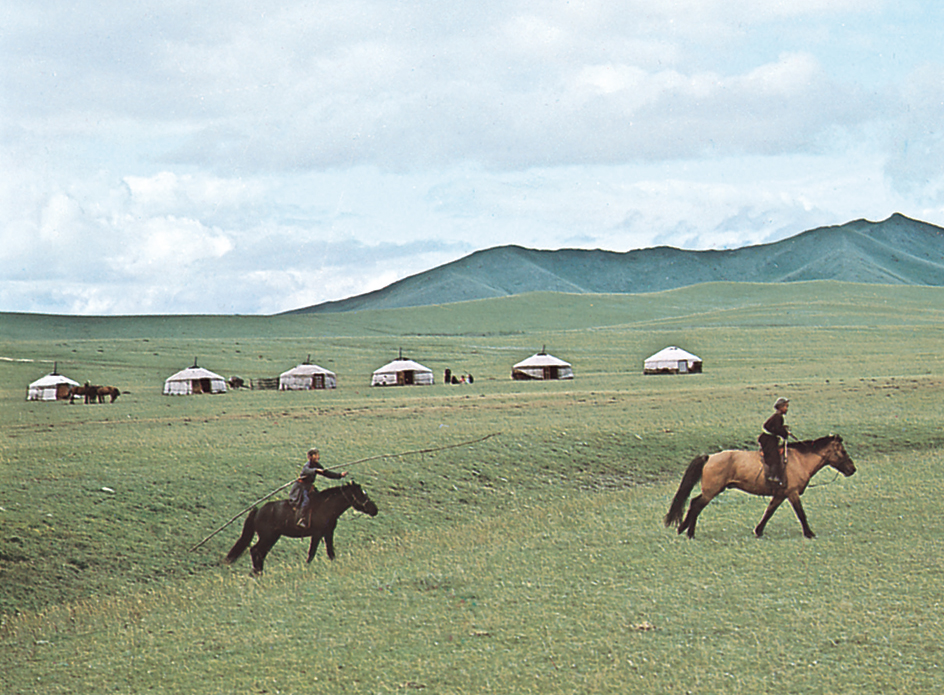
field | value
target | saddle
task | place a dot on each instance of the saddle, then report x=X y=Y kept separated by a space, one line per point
x=770 y=475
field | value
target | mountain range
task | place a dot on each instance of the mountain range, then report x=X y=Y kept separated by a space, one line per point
x=896 y=251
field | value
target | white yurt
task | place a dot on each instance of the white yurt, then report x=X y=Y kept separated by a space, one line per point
x=52 y=387
x=194 y=380
x=542 y=366
x=672 y=360
x=402 y=372
x=307 y=377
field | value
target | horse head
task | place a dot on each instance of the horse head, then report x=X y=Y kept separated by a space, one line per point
x=359 y=499
x=837 y=457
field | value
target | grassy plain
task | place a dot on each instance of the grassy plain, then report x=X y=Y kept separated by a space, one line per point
x=534 y=561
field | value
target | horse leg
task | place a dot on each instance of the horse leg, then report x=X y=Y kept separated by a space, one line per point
x=771 y=508
x=801 y=515
x=315 y=539
x=257 y=562
x=259 y=551
x=694 y=509
x=329 y=541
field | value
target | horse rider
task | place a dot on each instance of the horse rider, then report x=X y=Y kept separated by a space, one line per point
x=304 y=488
x=775 y=432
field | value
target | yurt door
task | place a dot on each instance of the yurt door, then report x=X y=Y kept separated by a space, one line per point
x=317 y=381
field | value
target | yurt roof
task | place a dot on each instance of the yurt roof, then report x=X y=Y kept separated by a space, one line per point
x=542 y=359
x=402 y=365
x=194 y=373
x=672 y=354
x=51 y=380
x=306 y=370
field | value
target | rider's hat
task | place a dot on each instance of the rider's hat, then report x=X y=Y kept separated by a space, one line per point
x=781 y=401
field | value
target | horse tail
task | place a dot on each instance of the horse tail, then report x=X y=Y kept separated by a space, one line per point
x=692 y=476
x=249 y=530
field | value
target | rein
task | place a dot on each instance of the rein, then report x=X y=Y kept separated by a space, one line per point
x=350 y=498
x=822 y=458
x=812 y=485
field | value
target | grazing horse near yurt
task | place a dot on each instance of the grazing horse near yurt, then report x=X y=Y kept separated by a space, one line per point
x=87 y=390
x=744 y=470
x=278 y=518
x=108 y=391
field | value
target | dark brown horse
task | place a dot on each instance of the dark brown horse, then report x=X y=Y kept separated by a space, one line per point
x=276 y=519
x=93 y=393
x=744 y=470
x=87 y=390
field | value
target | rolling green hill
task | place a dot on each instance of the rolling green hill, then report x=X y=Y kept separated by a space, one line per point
x=897 y=251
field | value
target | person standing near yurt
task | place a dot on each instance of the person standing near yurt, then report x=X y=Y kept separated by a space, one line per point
x=304 y=488
x=770 y=439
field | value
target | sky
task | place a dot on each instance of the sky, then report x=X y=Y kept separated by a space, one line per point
x=253 y=157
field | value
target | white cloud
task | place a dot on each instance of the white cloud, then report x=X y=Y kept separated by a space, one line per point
x=170 y=243
x=59 y=220
x=917 y=141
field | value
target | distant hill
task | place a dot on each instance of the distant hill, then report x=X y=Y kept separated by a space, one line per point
x=897 y=251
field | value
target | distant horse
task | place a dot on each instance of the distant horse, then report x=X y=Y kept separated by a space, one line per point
x=744 y=470
x=236 y=382
x=88 y=391
x=108 y=391
x=278 y=518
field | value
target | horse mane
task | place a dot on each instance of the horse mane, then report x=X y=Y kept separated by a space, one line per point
x=808 y=446
x=332 y=490
x=338 y=489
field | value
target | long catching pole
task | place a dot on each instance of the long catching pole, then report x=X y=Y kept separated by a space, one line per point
x=261 y=499
x=346 y=465
x=417 y=451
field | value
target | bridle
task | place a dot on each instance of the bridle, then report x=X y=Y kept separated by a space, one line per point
x=823 y=459
x=353 y=498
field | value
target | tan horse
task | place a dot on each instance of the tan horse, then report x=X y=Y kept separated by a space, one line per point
x=744 y=470
x=110 y=391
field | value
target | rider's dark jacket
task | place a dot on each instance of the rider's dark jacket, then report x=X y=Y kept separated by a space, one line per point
x=769 y=440
x=775 y=426
x=304 y=486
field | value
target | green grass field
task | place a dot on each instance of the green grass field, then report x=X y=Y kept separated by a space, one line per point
x=535 y=561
